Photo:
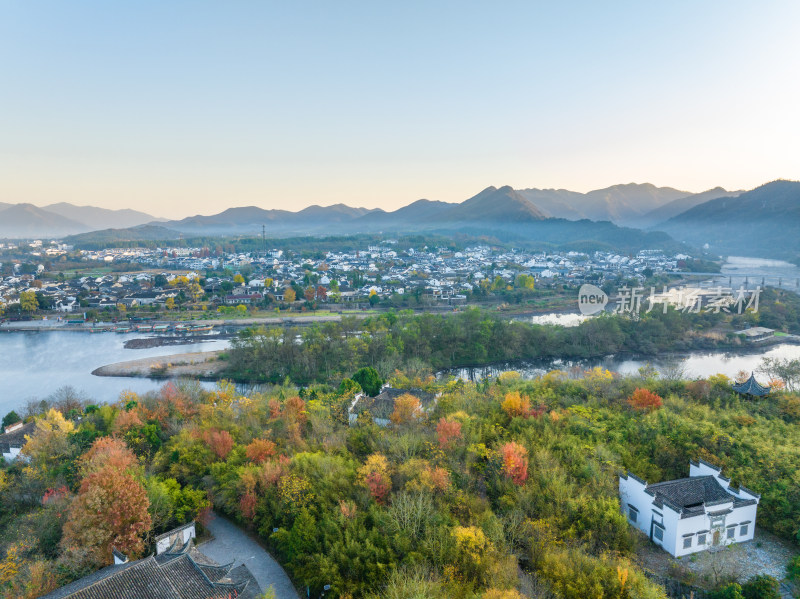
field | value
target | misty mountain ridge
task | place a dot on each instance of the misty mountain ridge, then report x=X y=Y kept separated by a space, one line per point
x=58 y=220
x=761 y=222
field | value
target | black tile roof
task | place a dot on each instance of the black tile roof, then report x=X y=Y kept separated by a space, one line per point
x=687 y=492
x=751 y=387
x=382 y=405
x=16 y=438
x=167 y=576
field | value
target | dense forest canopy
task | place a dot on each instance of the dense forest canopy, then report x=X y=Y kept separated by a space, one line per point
x=502 y=486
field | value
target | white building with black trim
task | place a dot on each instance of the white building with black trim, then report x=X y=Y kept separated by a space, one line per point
x=690 y=514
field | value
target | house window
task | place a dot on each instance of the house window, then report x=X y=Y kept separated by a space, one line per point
x=633 y=513
x=658 y=532
x=701 y=539
x=687 y=542
x=732 y=532
x=743 y=530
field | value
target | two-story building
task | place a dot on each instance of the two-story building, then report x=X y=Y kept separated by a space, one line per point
x=687 y=515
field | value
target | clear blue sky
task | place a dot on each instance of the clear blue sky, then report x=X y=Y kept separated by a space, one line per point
x=191 y=107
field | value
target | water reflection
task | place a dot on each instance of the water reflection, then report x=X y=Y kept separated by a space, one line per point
x=34 y=365
x=694 y=365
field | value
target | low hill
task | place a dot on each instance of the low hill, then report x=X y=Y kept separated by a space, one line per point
x=122 y=236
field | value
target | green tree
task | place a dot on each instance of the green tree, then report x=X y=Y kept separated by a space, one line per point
x=9 y=419
x=369 y=380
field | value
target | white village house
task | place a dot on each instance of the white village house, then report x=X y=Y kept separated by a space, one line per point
x=687 y=515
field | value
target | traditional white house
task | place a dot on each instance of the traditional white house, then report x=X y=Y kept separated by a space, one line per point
x=13 y=439
x=687 y=515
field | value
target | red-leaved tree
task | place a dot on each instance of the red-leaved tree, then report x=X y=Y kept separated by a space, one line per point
x=645 y=400
x=259 y=450
x=111 y=507
x=448 y=431
x=515 y=462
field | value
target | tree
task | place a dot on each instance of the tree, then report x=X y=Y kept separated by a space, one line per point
x=220 y=442
x=786 y=369
x=111 y=507
x=645 y=400
x=9 y=419
x=515 y=462
x=762 y=586
x=322 y=293
x=374 y=475
x=170 y=303
x=259 y=450
x=515 y=405
x=406 y=409
x=28 y=301
x=448 y=431
x=238 y=279
x=49 y=444
x=369 y=379
x=289 y=295
x=309 y=293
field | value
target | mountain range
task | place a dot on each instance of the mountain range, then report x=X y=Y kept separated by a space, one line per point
x=58 y=220
x=717 y=217
x=762 y=222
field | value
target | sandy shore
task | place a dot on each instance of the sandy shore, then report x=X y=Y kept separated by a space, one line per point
x=194 y=365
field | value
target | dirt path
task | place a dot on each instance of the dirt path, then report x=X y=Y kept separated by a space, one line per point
x=195 y=364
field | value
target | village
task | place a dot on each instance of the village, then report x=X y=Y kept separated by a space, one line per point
x=120 y=279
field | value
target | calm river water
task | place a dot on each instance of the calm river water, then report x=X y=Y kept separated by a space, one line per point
x=34 y=365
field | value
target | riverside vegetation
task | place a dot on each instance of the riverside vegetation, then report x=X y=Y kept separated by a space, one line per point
x=428 y=342
x=503 y=487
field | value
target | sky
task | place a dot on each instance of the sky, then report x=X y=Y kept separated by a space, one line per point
x=190 y=107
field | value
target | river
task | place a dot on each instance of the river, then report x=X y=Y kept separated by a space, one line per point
x=36 y=364
x=692 y=365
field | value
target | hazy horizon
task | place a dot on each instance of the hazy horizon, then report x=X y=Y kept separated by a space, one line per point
x=194 y=107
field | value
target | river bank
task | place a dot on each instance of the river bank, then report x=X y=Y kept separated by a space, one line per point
x=200 y=365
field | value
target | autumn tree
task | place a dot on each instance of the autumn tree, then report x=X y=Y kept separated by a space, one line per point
x=259 y=450
x=515 y=405
x=220 y=442
x=28 y=301
x=309 y=293
x=111 y=507
x=448 y=431
x=515 y=462
x=406 y=409
x=322 y=293
x=374 y=475
x=289 y=295
x=645 y=400
x=49 y=444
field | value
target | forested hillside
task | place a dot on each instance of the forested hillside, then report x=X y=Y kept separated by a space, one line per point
x=502 y=487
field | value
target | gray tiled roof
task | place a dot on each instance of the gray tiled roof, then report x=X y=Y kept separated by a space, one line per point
x=685 y=492
x=382 y=405
x=16 y=438
x=168 y=576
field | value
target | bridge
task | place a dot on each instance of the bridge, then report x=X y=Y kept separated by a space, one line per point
x=746 y=278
